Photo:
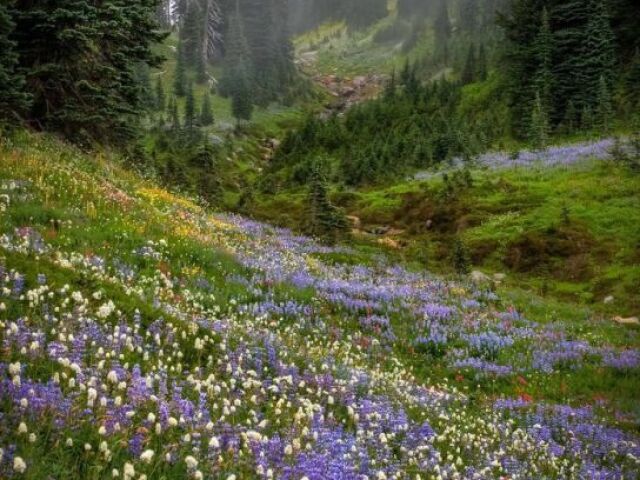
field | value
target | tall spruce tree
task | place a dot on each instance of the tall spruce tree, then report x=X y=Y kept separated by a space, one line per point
x=543 y=50
x=604 y=107
x=236 y=80
x=469 y=13
x=443 y=30
x=521 y=26
x=482 y=68
x=206 y=112
x=190 y=108
x=469 y=70
x=539 y=127
x=161 y=98
x=324 y=220
x=175 y=115
x=79 y=60
x=180 y=74
x=13 y=99
x=598 y=51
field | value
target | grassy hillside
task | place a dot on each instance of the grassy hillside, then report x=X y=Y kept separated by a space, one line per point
x=566 y=230
x=144 y=335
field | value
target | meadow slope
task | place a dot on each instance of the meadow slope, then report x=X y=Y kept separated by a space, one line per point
x=144 y=337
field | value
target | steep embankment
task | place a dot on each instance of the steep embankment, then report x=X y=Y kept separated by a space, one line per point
x=144 y=336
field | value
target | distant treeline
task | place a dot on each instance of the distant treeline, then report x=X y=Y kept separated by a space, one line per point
x=563 y=67
x=308 y=14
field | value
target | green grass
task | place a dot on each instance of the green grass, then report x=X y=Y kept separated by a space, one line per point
x=585 y=218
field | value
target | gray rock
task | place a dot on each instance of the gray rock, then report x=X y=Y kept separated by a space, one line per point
x=479 y=277
x=627 y=321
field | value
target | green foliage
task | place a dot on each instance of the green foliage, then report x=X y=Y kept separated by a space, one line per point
x=324 y=220
x=415 y=127
x=460 y=258
x=206 y=112
x=539 y=127
x=443 y=30
x=190 y=108
x=79 y=59
x=180 y=75
x=13 y=99
x=469 y=71
x=566 y=53
x=236 y=80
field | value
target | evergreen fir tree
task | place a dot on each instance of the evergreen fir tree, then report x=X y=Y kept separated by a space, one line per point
x=13 y=100
x=324 y=220
x=469 y=71
x=543 y=49
x=191 y=35
x=571 y=121
x=190 y=108
x=482 y=70
x=391 y=87
x=175 y=116
x=163 y=14
x=160 y=95
x=180 y=75
x=604 y=107
x=79 y=59
x=632 y=80
x=206 y=113
x=598 y=51
x=443 y=29
x=236 y=81
x=146 y=96
x=461 y=262
x=469 y=15
x=539 y=127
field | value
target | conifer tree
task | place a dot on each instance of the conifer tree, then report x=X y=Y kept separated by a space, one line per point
x=175 y=116
x=391 y=87
x=146 y=95
x=161 y=99
x=163 y=14
x=180 y=75
x=482 y=70
x=442 y=27
x=13 y=100
x=191 y=34
x=324 y=219
x=632 y=79
x=189 y=108
x=599 y=58
x=206 y=113
x=79 y=59
x=604 y=107
x=543 y=49
x=469 y=14
x=461 y=262
x=539 y=127
x=469 y=71
x=236 y=81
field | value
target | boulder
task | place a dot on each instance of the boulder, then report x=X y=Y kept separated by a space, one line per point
x=356 y=223
x=478 y=277
x=626 y=321
x=380 y=230
x=609 y=299
x=389 y=242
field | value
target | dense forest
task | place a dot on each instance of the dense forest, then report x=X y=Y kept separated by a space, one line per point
x=565 y=68
x=495 y=72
